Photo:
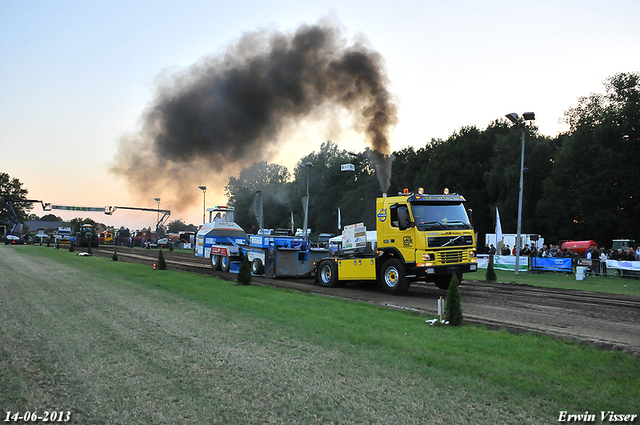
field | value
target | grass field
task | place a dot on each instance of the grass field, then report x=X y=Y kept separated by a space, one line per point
x=608 y=284
x=115 y=342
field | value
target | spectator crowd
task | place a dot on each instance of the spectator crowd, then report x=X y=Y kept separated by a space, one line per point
x=594 y=252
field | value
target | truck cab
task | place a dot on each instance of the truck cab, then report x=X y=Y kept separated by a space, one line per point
x=419 y=237
x=63 y=235
x=431 y=234
x=622 y=244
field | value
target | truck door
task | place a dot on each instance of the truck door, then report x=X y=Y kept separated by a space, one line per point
x=401 y=221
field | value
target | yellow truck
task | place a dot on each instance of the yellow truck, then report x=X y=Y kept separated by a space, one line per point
x=106 y=238
x=418 y=237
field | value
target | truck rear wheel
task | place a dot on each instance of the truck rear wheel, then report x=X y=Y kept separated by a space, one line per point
x=392 y=277
x=328 y=274
x=215 y=262
x=225 y=263
x=256 y=266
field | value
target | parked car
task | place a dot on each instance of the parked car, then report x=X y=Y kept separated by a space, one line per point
x=13 y=240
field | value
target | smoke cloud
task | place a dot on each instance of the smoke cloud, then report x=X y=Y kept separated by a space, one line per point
x=228 y=111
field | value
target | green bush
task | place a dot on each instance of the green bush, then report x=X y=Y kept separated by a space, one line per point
x=491 y=274
x=453 y=308
x=244 y=275
x=162 y=264
x=115 y=256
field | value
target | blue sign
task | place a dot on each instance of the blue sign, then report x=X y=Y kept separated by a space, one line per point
x=551 y=264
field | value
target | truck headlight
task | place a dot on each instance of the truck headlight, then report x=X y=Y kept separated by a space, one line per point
x=472 y=254
x=428 y=257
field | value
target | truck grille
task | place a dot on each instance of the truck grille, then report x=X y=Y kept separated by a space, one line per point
x=439 y=241
x=450 y=257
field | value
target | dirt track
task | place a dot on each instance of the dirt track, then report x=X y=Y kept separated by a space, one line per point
x=605 y=320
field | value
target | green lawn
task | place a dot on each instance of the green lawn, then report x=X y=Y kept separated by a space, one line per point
x=115 y=342
x=607 y=284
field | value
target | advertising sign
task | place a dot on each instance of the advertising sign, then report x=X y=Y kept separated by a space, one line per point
x=354 y=236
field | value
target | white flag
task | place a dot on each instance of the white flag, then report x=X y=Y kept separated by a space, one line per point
x=293 y=226
x=339 y=220
x=498 y=228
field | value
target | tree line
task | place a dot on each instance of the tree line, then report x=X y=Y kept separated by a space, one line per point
x=582 y=184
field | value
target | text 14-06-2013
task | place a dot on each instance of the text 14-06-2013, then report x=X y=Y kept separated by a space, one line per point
x=47 y=416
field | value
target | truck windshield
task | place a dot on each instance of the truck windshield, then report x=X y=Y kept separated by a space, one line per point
x=440 y=215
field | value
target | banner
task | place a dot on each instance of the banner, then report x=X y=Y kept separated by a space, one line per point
x=508 y=262
x=624 y=265
x=552 y=264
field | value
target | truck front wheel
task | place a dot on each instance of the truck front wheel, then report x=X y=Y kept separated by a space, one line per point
x=328 y=274
x=392 y=277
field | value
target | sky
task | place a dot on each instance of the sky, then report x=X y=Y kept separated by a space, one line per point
x=76 y=77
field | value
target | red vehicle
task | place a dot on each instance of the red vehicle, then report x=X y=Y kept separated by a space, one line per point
x=143 y=236
x=579 y=247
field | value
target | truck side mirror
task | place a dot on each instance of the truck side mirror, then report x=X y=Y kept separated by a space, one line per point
x=470 y=214
x=403 y=218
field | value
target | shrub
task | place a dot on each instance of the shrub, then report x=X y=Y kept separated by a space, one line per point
x=115 y=256
x=491 y=274
x=453 y=308
x=162 y=264
x=244 y=275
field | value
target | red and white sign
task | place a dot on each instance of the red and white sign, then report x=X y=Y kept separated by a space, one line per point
x=219 y=250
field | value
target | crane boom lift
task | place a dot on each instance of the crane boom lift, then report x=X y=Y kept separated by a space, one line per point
x=161 y=220
x=15 y=220
x=108 y=210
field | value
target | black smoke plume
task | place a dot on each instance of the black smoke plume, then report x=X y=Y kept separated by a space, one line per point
x=228 y=111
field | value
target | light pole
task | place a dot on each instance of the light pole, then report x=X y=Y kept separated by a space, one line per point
x=158 y=216
x=515 y=119
x=306 y=165
x=204 y=201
